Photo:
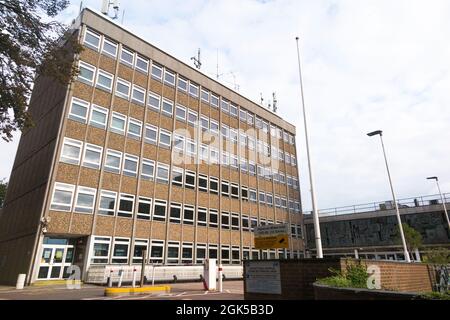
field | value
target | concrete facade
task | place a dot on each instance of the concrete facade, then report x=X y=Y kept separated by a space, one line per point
x=68 y=204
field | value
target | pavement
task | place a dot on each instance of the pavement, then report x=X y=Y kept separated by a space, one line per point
x=232 y=290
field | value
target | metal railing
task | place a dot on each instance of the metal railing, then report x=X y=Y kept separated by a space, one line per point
x=382 y=206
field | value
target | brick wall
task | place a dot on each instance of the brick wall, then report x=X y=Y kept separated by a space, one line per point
x=402 y=276
x=298 y=276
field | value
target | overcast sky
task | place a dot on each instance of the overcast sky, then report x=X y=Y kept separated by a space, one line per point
x=367 y=65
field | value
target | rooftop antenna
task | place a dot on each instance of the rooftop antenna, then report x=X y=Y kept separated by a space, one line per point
x=275 y=102
x=123 y=15
x=106 y=4
x=262 y=99
x=197 y=62
x=81 y=6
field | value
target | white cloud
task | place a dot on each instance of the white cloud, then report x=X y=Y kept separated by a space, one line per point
x=367 y=65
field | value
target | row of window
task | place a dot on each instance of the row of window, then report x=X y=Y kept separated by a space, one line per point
x=94 y=115
x=106 y=250
x=89 y=155
x=67 y=197
x=158 y=72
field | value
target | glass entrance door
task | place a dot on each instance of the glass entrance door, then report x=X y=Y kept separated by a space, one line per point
x=55 y=260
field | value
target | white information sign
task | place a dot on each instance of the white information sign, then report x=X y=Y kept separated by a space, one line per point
x=263 y=277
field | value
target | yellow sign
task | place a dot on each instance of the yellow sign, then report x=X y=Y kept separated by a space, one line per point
x=272 y=242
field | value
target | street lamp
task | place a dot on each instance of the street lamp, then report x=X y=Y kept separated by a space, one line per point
x=442 y=199
x=405 y=249
x=319 y=253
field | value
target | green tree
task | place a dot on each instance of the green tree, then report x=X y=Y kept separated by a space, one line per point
x=412 y=237
x=31 y=42
x=437 y=255
x=3 y=187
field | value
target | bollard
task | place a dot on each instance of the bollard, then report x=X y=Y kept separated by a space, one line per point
x=120 y=278
x=110 y=278
x=133 y=284
x=220 y=278
x=20 y=281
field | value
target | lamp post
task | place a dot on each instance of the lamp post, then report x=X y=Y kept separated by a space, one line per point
x=442 y=199
x=319 y=253
x=399 y=220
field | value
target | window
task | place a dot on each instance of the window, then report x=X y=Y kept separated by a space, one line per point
x=140 y=246
x=269 y=199
x=130 y=165
x=244 y=165
x=251 y=143
x=245 y=223
x=157 y=71
x=121 y=249
x=205 y=96
x=126 y=205
x=78 y=110
x=234 y=221
x=262 y=197
x=213 y=218
x=92 y=156
x=118 y=122
x=98 y=117
x=169 y=77
x=167 y=107
x=165 y=138
x=202 y=217
x=246 y=253
x=234 y=161
x=214 y=155
x=123 y=89
x=225 y=188
x=100 y=250
x=157 y=251
x=243 y=115
x=141 y=64
x=71 y=151
x=173 y=252
x=107 y=205
x=201 y=253
x=212 y=251
x=138 y=95
x=225 y=254
x=113 y=161
x=182 y=84
x=62 y=197
x=214 y=127
x=235 y=190
x=177 y=176
x=188 y=214
x=233 y=110
x=84 y=201
x=193 y=89
x=233 y=136
x=151 y=134
x=225 y=220
x=178 y=143
x=162 y=173
x=148 y=169
x=186 y=253
x=134 y=128
x=203 y=183
x=225 y=158
x=192 y=118
x=214 y=100
x=104 y=80
x=252 y=195
x=250 y=119
x=204 y=123
x=277 y=201
x=235 y=255
x=92 y=39
x=244 y=193
x=180 y=113
x=225 y=106
x=225 y=132
x=242 y=139
x=175 y=213
x=213 y=185
x=204 y=152
x=127 y=57
x=190 y=180
x=253 y=223
x=154 y=101
x=191 y=147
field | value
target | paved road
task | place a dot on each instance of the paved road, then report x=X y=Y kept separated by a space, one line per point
x=233 y=290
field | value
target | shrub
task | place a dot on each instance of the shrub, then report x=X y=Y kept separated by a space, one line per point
x=354 y=276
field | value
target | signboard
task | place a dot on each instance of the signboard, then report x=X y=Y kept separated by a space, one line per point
x=262 y=277
x=274 y=236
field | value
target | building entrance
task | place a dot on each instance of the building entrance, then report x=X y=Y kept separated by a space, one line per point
x=56 y=257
